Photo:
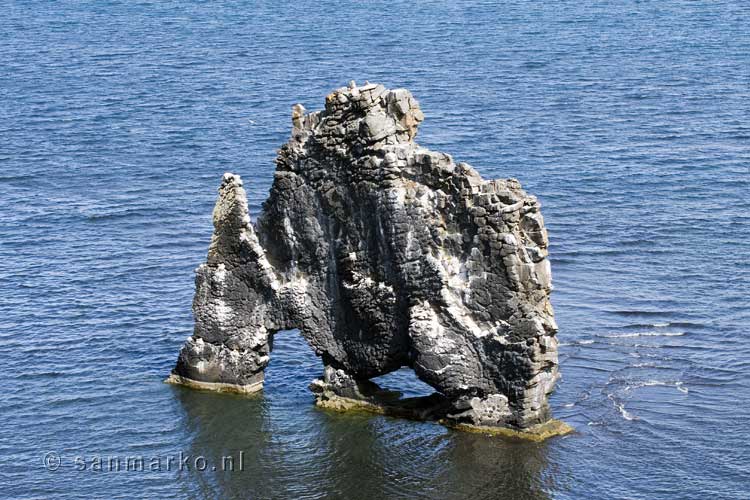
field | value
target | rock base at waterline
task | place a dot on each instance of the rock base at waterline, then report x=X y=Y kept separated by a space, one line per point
x=433 y=408
x=215 y=386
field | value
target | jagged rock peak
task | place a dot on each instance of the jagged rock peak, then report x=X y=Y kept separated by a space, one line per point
x=369 y=116
x=383 y=254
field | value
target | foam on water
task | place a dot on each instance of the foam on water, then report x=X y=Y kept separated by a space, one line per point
x=643 y=334
x=620 y=407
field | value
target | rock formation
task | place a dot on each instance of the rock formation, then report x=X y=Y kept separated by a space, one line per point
x=383 y=254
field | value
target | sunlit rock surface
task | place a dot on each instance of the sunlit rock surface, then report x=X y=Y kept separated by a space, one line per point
x=383 y=254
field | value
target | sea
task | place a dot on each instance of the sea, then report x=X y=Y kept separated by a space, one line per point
x=629 y=120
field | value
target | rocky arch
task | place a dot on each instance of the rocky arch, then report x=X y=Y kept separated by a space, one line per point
x=383 y=254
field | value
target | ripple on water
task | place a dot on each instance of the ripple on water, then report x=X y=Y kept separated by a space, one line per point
x=627 y=120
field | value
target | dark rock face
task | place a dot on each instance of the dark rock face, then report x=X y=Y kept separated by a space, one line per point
x=384 y=254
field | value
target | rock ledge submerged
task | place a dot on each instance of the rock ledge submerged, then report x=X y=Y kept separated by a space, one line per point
x=383 y=254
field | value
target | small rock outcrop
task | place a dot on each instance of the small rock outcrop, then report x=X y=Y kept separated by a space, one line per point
x=383 y=254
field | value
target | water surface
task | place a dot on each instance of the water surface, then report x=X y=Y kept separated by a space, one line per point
x=629 y=120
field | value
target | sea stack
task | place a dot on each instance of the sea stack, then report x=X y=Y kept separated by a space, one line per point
x=383 y=254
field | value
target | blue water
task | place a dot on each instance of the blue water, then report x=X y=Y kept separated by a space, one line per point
x=629 y=120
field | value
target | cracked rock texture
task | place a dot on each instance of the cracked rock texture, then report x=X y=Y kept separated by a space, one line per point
x=383 y=254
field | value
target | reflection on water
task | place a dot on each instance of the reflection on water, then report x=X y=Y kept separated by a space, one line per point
x=292 y=449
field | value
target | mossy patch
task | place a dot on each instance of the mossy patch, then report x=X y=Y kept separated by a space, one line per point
x=214 y=386
x=413 y=410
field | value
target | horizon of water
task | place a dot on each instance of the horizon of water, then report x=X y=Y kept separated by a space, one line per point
x=628 y=120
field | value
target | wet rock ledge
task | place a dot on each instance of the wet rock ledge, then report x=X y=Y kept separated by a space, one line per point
x=383 y=254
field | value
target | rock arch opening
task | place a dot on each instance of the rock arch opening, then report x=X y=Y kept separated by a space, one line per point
x=291 y=367
x=404 y=381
